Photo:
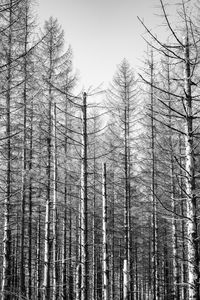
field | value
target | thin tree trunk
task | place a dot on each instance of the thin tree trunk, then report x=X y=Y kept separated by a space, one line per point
x=30 y=208
x=24 y=161
x=167 y=283
x=71 y=280
x=46 y=282
x=104 y=229
x=136 y=271
x=64 y=256
x=192 y=238
x=6 y=276
x=38 y=258
x=94 y=246
x=15 y=258
x=153 y=184
x=94 y=226
x=174 y=237
x=175 y=288
x=150 y=280
x=78 y=282
x=99 y=294
x=120 y=271
x=126 y=267
x=112 y=265
x=183 y=268
x=78 y=255
x=84 y=200
x=54 y=244
x=64 y=250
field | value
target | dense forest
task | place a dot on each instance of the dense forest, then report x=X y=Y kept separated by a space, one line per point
x=99 y=190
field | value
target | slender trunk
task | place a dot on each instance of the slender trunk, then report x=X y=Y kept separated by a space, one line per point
x=46 y=282
x=78 y=255
x=64 y=250
x=71 y=280
x=38 y=258
x=126 y=266
x=174 y=238
x=93 y=254
x=24 y=161
x=78 y=282
x=130 y=242
x=136 y=271
x=120 y=271
x=30 y=208
x=71 y=277
x=167 y=283
x=104 y=229
x=112 y=267
x=150 y=280
x=6 y=287
x=99 y=294
x=15 y=258
x=6 y=276
x=94 y=233
x=47 y=241
x=153 y=184
x=84 y=200
x=183 y=268
x=175 y=287
x=54 y=244
x=38 y=249
x=64 y=257
x=192 y=238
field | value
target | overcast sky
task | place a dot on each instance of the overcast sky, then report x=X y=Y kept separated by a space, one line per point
x=102 y=33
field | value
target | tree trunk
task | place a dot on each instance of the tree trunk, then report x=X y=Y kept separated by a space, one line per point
x=71 y=279
x=94 y=230
x=126 y=266
x=84 y=200
x=54 y=244
x=30 y=208
x=46 y=282
x=24 y=159
x=38 y=258
x=121 y=285
x=175 y=271
x=112 y=264
x=153 y=190
x=78 y=282
x=6 y=276
x=104 y=229
x=183 y=227
x=192 y=238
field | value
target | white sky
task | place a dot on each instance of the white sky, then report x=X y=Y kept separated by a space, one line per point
x=103 y=32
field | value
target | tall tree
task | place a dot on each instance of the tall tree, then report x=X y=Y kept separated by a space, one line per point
x=184 y=55
x=122 y=99
x=27 y=99
x=10 y=14
x=52 y=48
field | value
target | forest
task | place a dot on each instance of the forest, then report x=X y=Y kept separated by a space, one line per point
x=99 y=189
